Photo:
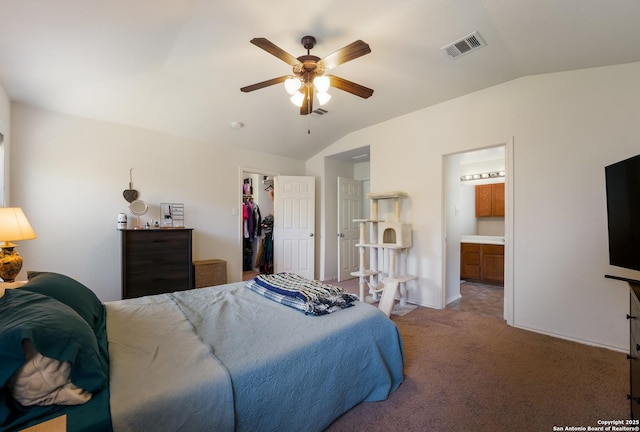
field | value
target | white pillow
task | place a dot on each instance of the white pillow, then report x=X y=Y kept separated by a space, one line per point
x=44 y=381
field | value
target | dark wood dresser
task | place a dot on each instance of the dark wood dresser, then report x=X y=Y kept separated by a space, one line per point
x=634 y=349
x=156 y=261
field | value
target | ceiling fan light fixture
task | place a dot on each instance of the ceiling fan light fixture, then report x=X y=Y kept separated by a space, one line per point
x=292 y=85
x=308 y=78
x=323 y=97
x=322 y=83
x=297 y=99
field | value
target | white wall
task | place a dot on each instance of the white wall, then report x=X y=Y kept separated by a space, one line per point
x=68 y=173
x=457 y=221
x=362 y=170
x=566 y=128
x=466 y=211
x=5 y=128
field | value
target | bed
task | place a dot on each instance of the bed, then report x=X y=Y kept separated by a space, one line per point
x=221 y=358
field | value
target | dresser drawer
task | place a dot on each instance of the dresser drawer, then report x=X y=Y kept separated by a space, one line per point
x=156 y=261
x=156 y=240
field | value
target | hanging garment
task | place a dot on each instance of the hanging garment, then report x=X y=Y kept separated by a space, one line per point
x=250 y=221
x=265 y=261
x=257 y=221
x=245 y=219
x=247 y=254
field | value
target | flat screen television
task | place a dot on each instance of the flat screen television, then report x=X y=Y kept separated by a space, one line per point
x=623 y=212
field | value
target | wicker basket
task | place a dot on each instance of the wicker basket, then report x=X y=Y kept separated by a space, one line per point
x=209 y=273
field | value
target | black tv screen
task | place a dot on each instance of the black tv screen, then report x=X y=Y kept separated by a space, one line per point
x=623 y=212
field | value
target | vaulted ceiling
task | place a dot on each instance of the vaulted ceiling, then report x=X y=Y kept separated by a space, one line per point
x=177 y=66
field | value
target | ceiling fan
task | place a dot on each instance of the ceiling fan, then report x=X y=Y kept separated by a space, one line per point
x=310 y=72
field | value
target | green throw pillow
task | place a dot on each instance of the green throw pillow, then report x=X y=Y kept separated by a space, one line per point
x=70 y=292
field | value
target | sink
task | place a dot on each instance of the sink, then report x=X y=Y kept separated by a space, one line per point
x=482 y=239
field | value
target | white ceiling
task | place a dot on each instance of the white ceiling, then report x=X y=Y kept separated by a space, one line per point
x=177 y=66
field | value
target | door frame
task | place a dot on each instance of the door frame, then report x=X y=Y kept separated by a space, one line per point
x=509 y=219
x=353 y=250
x=509 y=295
x=242 y=172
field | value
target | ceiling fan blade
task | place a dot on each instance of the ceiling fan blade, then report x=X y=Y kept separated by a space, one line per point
x=264 y=84
x=307 y=103
x=275 y=50
x=345 y=54
x=350 y=87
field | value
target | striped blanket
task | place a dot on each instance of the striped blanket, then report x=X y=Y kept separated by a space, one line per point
x=309 y=296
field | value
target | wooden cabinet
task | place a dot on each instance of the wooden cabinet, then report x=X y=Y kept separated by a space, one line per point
x=492 y=263
x=484 y=262
x=156 y=261
x=490 y=200
x=634 y=349
x=470 y=260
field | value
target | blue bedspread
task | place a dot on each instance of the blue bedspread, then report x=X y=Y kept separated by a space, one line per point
x=163 y=378
x=289 y=371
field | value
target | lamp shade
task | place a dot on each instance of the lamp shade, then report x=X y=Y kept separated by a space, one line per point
x=14 y=225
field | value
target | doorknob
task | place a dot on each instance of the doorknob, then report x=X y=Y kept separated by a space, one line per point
x=310 y=234
x=340 y=235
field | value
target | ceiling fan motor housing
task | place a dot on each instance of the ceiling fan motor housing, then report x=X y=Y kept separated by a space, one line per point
x=308 y=42
x=308 y=68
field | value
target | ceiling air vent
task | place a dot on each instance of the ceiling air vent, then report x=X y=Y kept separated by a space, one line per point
x=465 y=45
x=319 y=111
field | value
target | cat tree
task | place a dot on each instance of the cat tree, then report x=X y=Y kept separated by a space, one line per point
x=388 y=242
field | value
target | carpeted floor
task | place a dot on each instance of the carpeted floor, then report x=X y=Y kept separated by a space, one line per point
x=470 y=372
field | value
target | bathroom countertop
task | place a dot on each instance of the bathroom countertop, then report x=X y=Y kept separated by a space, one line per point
x=480 y=239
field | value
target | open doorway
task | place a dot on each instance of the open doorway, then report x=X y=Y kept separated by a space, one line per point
x=351 y=167
x=256 y=221
x=477 y=250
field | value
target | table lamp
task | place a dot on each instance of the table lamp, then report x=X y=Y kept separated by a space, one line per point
x=13 y=226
